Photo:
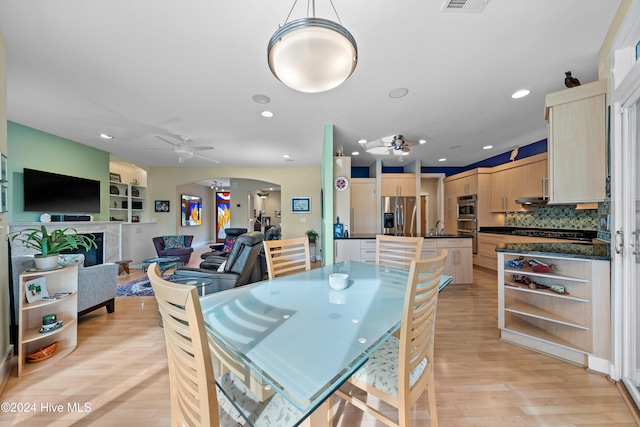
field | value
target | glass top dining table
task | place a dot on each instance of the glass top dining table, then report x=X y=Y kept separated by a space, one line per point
x=303 y=338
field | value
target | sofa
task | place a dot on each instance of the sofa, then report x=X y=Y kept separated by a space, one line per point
x=97 y=284
x=183 y=252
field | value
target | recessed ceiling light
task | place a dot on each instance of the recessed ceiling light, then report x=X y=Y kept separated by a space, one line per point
x=399 y=92
x=286 y=156
x=487 y=147
x=422 y=141
x=455 y=147
x=261 y=99
x=288 y=160
x=521 y=93
x=267 y=114
x=362 y=141
x=442 y=160
x=106 y=136
x=355 y=153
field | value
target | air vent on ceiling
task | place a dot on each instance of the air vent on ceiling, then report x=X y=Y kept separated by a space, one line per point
x=470 y=6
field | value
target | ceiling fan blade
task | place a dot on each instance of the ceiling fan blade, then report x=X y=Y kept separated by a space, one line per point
x=166 y=140
x=411 y=143
x=202 y=148
x=206 y=158
x=375 y=144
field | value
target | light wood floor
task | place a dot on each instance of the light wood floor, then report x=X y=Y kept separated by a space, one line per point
x=119 y=369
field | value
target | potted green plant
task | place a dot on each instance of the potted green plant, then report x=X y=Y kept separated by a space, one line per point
x=312 y=235
x=50 y=244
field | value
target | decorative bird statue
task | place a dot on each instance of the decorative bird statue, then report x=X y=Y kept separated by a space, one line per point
x=570 y=81
x=514 y=154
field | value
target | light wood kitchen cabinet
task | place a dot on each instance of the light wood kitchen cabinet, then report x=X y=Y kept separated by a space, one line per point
x=398 y=184
x=535 y=179
x=506 y=186
x=363 y=201
x=574 y=325
x=451 y=192
x=577 y=144
x=136 y=241
x=459 y=263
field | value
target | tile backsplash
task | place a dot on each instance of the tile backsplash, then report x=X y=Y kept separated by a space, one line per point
x=560 y=217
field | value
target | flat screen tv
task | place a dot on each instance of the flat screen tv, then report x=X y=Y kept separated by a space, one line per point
x=191 y=210
x=53 y=193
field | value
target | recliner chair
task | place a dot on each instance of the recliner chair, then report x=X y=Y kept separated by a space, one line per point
x=241 y=267
x=215 y=258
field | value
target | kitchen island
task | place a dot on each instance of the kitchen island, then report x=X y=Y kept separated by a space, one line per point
x=554 y=298
x=459 y=264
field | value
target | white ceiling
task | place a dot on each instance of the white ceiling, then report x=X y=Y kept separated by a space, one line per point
x=137 y=69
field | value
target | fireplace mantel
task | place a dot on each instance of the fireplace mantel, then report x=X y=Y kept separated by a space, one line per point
x=111 y=231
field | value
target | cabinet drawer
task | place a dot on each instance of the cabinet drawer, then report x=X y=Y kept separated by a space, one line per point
x=429 y=244
x=453 y=243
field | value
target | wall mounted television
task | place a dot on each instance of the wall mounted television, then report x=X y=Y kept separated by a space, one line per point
x=52 y=192
x=191 y=210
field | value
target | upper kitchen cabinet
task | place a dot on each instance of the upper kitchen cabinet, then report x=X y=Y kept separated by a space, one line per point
x=398 y=184
x=577 y=144
x=523 y=178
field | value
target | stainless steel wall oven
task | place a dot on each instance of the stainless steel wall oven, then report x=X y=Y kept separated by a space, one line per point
x=467 y=219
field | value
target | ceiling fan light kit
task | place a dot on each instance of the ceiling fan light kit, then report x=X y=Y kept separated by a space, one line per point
x=312 y=54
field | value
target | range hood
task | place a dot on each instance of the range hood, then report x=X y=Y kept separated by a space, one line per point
x=532 y=201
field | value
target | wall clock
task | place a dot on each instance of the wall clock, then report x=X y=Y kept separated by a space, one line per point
x=341 y=183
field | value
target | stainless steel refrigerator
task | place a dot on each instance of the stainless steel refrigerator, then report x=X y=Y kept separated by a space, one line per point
x=399 y=216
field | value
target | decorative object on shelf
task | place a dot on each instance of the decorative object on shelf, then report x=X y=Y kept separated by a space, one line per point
x=135 y=192
x=45 y=217
x=341 y=183
x=113 y=189
x=300 y=204
x=514 y=154
x=312 y=235
x=570 y=81
x=36 y=289
x=338 y=229
x=50 y=244
x=115 y=177
x=42 y=354
x=135 y=218
x=162 y=205
x=3 y=168
x=134 y=182
x=312 y=54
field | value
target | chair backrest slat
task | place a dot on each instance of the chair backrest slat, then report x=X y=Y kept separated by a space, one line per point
x=397 y=251
x=287 y=256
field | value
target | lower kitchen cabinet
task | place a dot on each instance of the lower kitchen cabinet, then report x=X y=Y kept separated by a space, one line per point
x=136 y=241
x=459 y=263
x=573 y=325
x=347 y=250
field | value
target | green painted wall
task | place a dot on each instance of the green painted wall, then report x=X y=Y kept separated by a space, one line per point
x=34 y=149
x=326 y=233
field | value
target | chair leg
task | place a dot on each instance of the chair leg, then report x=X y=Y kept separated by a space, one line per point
x=431 y=392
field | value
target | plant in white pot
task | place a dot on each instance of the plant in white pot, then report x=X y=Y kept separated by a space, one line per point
x=50 y=244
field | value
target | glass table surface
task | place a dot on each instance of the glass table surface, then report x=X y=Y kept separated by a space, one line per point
x=304 y=338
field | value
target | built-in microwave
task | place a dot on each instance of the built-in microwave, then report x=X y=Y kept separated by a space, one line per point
x=467 y=206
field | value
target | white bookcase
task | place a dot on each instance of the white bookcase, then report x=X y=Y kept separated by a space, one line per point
x=127 y=202
x=30 y=317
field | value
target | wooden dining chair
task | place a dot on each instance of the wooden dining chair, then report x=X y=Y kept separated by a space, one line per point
x=397 y=251
x=287 y=256
x=401 y=369
x=195 y=398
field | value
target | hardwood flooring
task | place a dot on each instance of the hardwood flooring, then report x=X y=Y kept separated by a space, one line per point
x=119 y=370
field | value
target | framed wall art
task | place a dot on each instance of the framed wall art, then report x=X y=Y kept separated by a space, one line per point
x=162 y=205
x=300 y=204
x=4 y=195
x=3 y=168
x=115 y=177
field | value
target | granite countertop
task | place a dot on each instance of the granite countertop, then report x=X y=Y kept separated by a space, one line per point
x=373 y=236
x=557 y=233
x=594 y=251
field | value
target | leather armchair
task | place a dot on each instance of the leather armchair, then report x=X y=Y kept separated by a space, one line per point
x=241 y=267
x=183 y=253
x=215 y=258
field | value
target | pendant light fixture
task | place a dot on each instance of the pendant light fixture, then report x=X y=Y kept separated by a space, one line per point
x=312 y=54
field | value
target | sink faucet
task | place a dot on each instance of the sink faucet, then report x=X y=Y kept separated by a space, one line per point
x=439 y=222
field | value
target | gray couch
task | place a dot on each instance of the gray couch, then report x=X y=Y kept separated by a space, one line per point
x=97 y=284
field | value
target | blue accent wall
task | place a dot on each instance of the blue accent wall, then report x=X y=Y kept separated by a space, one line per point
x=523 y=152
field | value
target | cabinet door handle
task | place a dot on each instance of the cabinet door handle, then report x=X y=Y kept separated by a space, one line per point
x=620 y=242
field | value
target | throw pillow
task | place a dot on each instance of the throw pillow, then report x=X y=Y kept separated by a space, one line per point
x=222 y=266
x=173 y=242
x=228 y=244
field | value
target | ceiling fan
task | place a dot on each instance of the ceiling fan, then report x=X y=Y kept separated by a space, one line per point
x=184 y=151
x=394 y=143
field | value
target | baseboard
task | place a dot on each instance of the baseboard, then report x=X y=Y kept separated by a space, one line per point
x=6 y=367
